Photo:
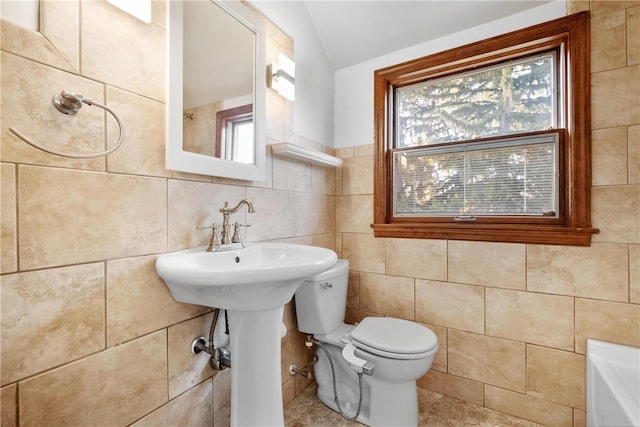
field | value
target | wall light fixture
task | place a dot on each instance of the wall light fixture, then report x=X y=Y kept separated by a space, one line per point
x=140 y=9
x=282 y=77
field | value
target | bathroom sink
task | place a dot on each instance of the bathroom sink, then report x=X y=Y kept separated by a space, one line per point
x=258 y=276
x=253 y=284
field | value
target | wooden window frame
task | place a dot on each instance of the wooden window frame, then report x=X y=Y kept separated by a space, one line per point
x=223 y=117
x=570 y=35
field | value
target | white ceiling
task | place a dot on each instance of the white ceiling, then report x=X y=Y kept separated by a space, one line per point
x=353 y=31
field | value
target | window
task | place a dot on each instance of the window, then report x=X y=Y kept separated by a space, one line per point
x=518 y=96
x=513 y=177
x=234 y=134
x=489 y=141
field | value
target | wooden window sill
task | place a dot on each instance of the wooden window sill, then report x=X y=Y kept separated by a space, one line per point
x=531 y=234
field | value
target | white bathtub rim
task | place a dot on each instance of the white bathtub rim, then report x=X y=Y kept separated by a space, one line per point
x=619 y=367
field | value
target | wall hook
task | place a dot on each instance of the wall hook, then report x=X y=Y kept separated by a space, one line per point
x=70 y=103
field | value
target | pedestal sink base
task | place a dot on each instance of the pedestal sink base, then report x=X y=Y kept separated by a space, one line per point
x=253 y=284
x=256 y=389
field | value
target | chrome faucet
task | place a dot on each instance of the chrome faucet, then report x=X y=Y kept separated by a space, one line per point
x=226 y=222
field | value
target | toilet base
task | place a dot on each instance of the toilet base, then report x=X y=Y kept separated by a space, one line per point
x=383 y=403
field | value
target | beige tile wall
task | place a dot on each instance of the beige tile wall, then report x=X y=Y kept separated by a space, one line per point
x=90 y=334
x=77 y=251
x=512 y=319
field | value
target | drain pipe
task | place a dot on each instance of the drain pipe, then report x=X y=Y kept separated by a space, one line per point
x=220 y=358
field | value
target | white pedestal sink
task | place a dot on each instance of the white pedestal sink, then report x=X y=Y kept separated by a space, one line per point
x=252 y=284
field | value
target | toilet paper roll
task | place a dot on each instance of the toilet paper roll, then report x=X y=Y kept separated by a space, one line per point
x=220 y=338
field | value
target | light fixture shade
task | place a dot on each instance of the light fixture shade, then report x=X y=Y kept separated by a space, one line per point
x=140 y=9
x=283 y=77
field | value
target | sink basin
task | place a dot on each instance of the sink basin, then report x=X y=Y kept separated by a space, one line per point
x=258 y=276
x=253 y=284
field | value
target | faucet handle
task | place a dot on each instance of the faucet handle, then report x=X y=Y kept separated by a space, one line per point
x=215 y=235
x=236 y=232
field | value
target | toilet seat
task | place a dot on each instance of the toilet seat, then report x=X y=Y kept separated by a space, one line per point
x=394 y=338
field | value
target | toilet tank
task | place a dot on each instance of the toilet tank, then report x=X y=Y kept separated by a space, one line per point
x=321 y=300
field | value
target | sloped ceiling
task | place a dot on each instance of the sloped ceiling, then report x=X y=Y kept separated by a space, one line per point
x=353 y=31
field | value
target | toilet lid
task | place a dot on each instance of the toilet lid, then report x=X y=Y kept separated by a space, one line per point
x=388 y=336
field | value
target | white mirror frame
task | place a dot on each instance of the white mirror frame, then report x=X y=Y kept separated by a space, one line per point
x=176 y=158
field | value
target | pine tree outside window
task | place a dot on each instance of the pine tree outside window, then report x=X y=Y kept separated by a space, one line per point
x=490 y=141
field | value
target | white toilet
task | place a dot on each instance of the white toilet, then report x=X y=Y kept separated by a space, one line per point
x=391 y=353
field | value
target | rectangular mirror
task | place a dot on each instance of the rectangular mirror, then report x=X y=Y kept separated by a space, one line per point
x=215 y=90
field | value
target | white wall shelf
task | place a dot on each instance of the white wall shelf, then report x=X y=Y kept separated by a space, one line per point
x=297 y=152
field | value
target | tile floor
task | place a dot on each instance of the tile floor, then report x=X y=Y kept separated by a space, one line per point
x=436 y=410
